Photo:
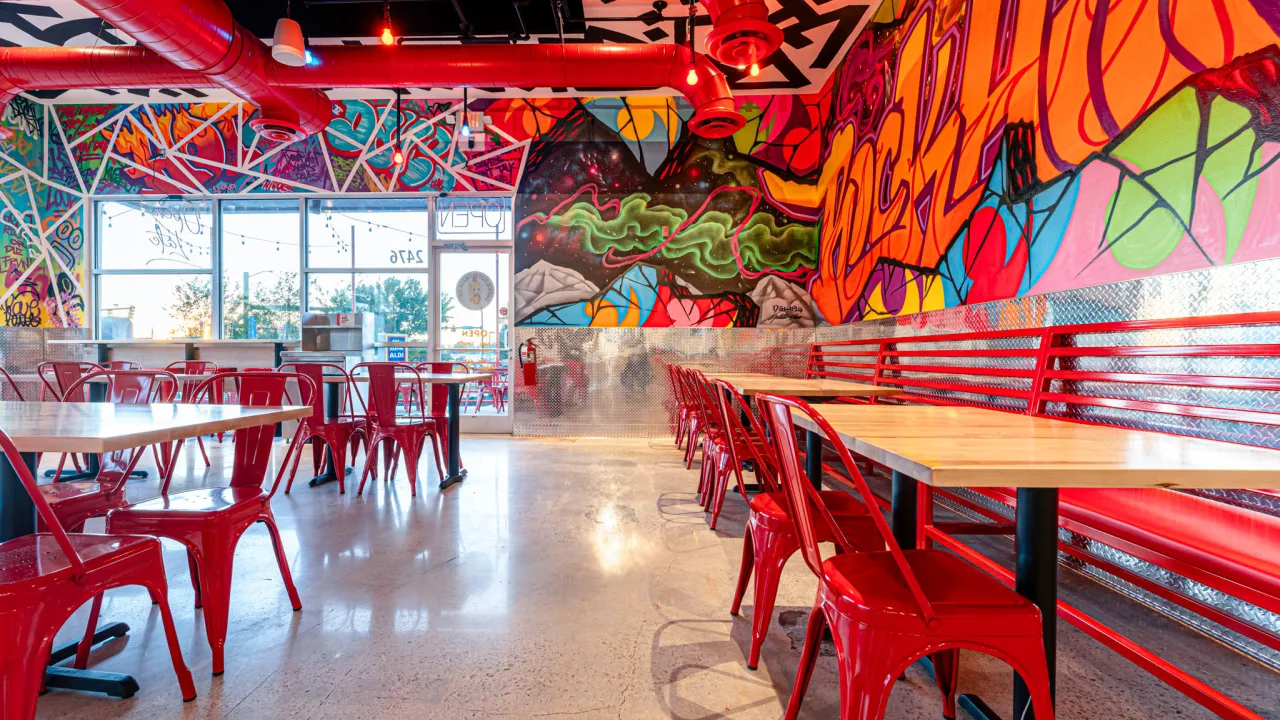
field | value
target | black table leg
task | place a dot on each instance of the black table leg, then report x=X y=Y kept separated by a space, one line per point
x=1037 y=577
x=331 y=403
x=17 y=511
x=97 y=393
x=18 y=518
x=456 y=474
x=903 y=513
x=104 y=354
x=813 y=457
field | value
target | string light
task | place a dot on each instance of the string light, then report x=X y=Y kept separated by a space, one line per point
x=755 y=70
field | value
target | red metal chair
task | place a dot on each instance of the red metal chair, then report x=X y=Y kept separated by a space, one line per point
x=63 y=375
x=770 y=538
x=46 y=576
x=384 y=422
x=335 y=433
x=888 y=609
x=210 y=521
x=75 y=502
x=121 y=365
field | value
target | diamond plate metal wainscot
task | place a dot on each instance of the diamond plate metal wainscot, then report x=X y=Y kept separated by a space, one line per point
x=612 y=382
x=21 y=349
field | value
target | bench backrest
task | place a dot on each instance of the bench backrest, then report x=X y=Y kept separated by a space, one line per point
x=1215 y=377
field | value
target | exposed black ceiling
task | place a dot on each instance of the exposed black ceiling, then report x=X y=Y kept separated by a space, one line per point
x=412 y=20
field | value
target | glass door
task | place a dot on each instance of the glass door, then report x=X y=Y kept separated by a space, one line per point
x=475 y=329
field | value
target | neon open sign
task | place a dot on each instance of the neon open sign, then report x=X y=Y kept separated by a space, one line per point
x=473 y=215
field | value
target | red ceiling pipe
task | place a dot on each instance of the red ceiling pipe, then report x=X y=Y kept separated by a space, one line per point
x=202 y=35
x=741 y=34
x=580 y=66
x=72 y=68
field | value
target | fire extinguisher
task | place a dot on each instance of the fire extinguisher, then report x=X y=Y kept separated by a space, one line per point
x=527 y=354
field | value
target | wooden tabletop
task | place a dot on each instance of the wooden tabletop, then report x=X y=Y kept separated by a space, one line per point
x=973 y=447
x=34 y=378
x=749 y=384
x=173 y=341
x=103 y=427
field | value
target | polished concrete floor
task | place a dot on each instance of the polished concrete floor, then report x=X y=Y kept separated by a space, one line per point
x=563 y=578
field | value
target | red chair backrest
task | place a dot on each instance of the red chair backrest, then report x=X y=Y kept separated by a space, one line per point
x=315 y=371
x=440 y=391
x=64 y=375
x=384 y=390
x=253 y=444
x=122 y=365
x=732 y=407
x=192 y=367
x=47 y=516
x=125 y=387
x=12 y=385
x=807 y=506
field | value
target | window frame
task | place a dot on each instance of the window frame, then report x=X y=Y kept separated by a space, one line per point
x=431 y=270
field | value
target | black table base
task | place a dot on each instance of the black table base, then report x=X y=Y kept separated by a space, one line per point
x=456 y=473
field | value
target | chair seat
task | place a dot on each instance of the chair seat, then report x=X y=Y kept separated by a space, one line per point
x=773 y=505
x=59 y=491
x=868 y=587
x=205 y=501
x=35 y=556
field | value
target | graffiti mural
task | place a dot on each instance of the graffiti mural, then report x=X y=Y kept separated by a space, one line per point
x=983 y=150
x=625 y=220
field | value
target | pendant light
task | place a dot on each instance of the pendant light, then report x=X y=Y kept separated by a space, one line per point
x=399 y=156
x=287 y=45
x=466 y=128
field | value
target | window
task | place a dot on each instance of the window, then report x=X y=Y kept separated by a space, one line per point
x=154 y=269
x=260 y=280
x=380 y=248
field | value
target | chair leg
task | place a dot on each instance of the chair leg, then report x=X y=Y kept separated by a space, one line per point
x=771 y=558
x=1026 y=656
x=411 y=467
x=159 y=590
x=808 y=656
x=435 y=448
x=744 y=570
x=203 y=453
x=217 y=556
x=270 y=522
x=22 y=681
x=869 y=663
x=721 y=487
x=946 y=673
x=195 y=578
x=86 y=643
x=339 y=452
x=293 y=470
x=370 y=464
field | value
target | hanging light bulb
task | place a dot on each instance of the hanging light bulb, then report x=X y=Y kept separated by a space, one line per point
x=466 y=127
x=387 y=37
x=398 y=158
x=692 y=77
x=755 y=70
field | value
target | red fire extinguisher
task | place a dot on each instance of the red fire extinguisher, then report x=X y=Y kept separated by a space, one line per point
x=527 y=354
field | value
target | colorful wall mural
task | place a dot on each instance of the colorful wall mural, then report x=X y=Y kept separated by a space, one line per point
x=984 y=150
x=625 y=220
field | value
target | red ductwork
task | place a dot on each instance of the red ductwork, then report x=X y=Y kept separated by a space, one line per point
x=57 y=68
x=202 y=35
x=741 y=34
x=581 y=66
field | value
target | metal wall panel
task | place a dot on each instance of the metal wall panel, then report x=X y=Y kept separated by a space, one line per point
x=609 y=382
x=21 y=349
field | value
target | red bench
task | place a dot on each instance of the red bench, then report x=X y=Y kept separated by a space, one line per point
x=1214 y=377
